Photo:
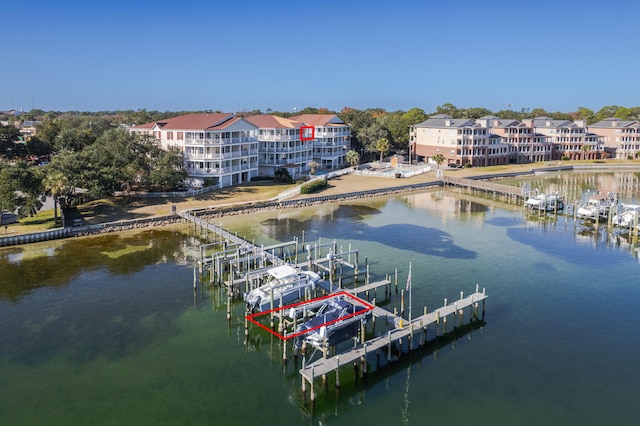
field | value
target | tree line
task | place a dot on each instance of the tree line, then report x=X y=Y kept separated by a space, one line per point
x=79 y=158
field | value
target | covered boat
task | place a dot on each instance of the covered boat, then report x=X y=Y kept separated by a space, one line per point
x=598 y=205
x=545 y=202
x=283 y=284
x=337 y=319
x=627 y=217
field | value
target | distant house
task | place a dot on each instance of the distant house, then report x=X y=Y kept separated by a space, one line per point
x=28 y=128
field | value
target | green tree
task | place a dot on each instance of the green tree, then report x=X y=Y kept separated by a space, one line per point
x=382 y=146
x=439 y=159
x=8 y=136
x=73 y=139
x=475 y=113
x=282 y=175
x=352 y=157
x=586 y=114
x=606 y=112
x=21 y=188
x=56 y=184
x=448 y=109
x=168 y=171
x=37 y=147
x=370 y=135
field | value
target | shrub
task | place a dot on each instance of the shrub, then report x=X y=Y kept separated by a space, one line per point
x=565 y=158
x=313 y=186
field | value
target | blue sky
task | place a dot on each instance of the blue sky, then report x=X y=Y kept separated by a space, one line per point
x=243 y=55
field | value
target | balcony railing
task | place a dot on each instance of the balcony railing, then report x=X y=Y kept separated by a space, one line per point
x=279 y=138
x=219 y=141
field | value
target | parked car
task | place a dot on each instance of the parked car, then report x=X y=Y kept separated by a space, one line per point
x=454 y=166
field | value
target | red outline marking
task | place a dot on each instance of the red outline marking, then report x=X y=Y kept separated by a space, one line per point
x=313 y=133
x=251 y=317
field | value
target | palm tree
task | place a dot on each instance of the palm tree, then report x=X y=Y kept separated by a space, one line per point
x=439 y=159
x=352 y=158
x=313 y=165
x=383 y=146
x=55 y=184
x=584 y=148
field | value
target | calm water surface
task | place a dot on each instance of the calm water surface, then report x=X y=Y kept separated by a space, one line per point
x=107 y=330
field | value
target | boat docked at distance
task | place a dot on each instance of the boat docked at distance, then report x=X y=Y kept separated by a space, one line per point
x=284 y=284
x=337 y=320
x=545 y=202
x=627 y=217
x=598 y=205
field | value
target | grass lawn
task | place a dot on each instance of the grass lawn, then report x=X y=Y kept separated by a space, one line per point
x=127 y=208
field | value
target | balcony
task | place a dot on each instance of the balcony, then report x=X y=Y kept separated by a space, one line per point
x=219 y=141
x=279 y=138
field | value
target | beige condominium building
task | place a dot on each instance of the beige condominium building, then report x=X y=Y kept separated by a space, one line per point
x=280 y=145
x=523 y=143
x=460 y=141
x=224 y=150
x=570 y=139
x=332 y=139
x=621 y=138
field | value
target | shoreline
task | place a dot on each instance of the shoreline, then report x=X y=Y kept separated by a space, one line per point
x=340 y=189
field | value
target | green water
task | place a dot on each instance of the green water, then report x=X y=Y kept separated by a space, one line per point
x=107 y=329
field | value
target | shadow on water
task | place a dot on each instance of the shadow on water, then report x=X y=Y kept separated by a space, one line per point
x=346 y=222
x=544 y=238
x=330 y=401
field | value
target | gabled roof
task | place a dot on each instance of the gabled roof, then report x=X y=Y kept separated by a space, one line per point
x=551 y=123
x=442 y=120
x=190 y=122
x=319 y=119
x=612 y=122
x=273 y=122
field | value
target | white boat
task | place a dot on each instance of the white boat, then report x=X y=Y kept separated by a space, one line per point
x=283 y=284
x=545 y=202
x=627 y=217
x=338 y=319
x=598 y=205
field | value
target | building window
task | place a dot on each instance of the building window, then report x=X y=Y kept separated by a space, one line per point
x=170 y=136
x=180 y=136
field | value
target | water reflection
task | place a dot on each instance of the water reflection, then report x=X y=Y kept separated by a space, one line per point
x=55 y=264
x=574 y=185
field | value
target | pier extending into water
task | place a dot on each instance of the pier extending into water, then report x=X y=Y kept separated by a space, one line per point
x=400 y=330
x=397 y=327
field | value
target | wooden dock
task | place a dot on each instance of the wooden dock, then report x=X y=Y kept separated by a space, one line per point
x=511 y=192
x=402 y=330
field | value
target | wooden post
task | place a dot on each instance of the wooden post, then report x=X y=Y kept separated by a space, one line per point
x=313 y=394
x=284 y=350
x=338 y=371
x=396 y=280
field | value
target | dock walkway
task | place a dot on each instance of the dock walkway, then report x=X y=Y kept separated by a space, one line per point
x=323 y=366
x=233 y=238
